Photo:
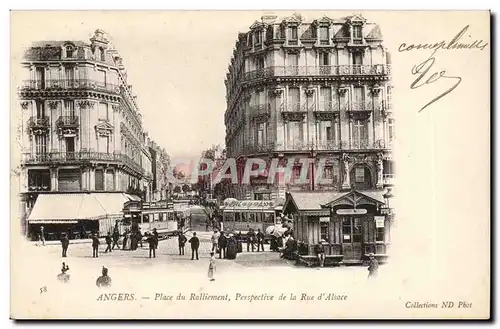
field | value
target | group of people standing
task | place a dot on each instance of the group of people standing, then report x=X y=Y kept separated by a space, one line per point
x=226 y=245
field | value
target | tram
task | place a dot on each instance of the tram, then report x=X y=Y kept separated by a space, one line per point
x=241 y=216
x=148 y=216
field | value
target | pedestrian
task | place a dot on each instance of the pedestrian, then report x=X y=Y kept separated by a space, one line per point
x=182 y=242
x=195 y=244
x=260 y=240
x=152 y=245
x=42 y=235
x=222 y=244
x=95 y=245
x=109 y=240
x=215 y=240
x=250 y=239
x=133 y=240
x=320 y=253
x=211 y=267
x=64 y=244
x=372 y=266
x=125 y=239
x=116 y=237
x=104 y=280
x=155 y=233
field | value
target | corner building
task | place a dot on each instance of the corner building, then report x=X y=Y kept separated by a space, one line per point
x=317 y=89
x=84 y=147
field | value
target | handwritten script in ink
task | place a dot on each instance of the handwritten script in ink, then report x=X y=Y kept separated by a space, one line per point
x=424 y=77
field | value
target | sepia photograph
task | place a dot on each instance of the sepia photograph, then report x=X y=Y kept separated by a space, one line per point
x=249 y=165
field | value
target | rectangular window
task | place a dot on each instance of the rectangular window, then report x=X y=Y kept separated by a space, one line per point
x=325 y=133
x=295 y=132
x=101 y=78
x=359 y=96
x=357 y=59
x=99 y=180
x=357 y=32
x=324 y=59
x=379 y=234
x=360 y=134
x=324 y=33
x=335 y=174
x=294 y=98
x=360 y=175
x=103 y=111
x=258 y=37
x=356 y=230
x=40 y=144
x=69 y=108
x=39 y=180
x=40 y=77
x=40 y=109
x=292 y=33
x=391 y=130
x=260 y=63
x=261 y=134
x=110 y=180
x=69 y=180
x=325 y=99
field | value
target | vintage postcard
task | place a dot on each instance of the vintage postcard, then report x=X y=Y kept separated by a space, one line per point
x=250 y=165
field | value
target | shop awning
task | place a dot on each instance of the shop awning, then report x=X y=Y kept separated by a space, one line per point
x=68 y=208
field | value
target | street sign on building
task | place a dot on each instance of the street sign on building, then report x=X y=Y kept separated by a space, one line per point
x=351 y=211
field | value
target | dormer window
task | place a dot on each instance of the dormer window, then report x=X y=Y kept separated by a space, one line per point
x=102 y=54
x=357 y=35
x=69 y=52
x=324 y=34
x=258 y=37
x=292 y=33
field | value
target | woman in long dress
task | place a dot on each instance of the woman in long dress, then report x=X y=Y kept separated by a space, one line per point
x=211 y=267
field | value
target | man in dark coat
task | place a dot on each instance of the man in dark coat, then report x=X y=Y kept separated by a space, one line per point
x=152 y=245
x=182 y=242
x=260 y=240
x=320 y=252
x=250 y=240
x=155 y=233
x=116 y=237
x=195 y=244
x=95 y=246
x=222 y=244
x=64 y=244
x=109 y=240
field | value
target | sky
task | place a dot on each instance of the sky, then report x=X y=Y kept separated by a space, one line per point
x=176 y=64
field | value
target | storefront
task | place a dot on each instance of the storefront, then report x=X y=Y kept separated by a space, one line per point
x=352 y=224
x=76 y=214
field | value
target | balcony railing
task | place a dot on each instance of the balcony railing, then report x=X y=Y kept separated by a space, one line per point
x=326 y=145
x=361 y=106
x=35 y=122
x=67 y=121
x=294 y=107
x=327 y=107
x=78 y=84
x=321 y=70
x=55 y=157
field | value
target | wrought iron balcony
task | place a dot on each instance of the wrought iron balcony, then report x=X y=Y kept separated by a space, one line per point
x=63 y=84
x=361 y=106
x=294 y=107
x=38 y=125
x=321 y=70
x=327 y=107
x=78 y=157
x=67 y=121
x=326 y=145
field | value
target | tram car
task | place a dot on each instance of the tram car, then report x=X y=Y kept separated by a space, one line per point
x=241 y=216
x=148 y=216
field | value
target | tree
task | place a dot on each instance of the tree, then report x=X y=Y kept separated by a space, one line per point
x=177 y=189
x=186 y=188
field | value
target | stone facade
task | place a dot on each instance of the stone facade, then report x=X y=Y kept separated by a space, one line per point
x=316 y=89
x=81 y=127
